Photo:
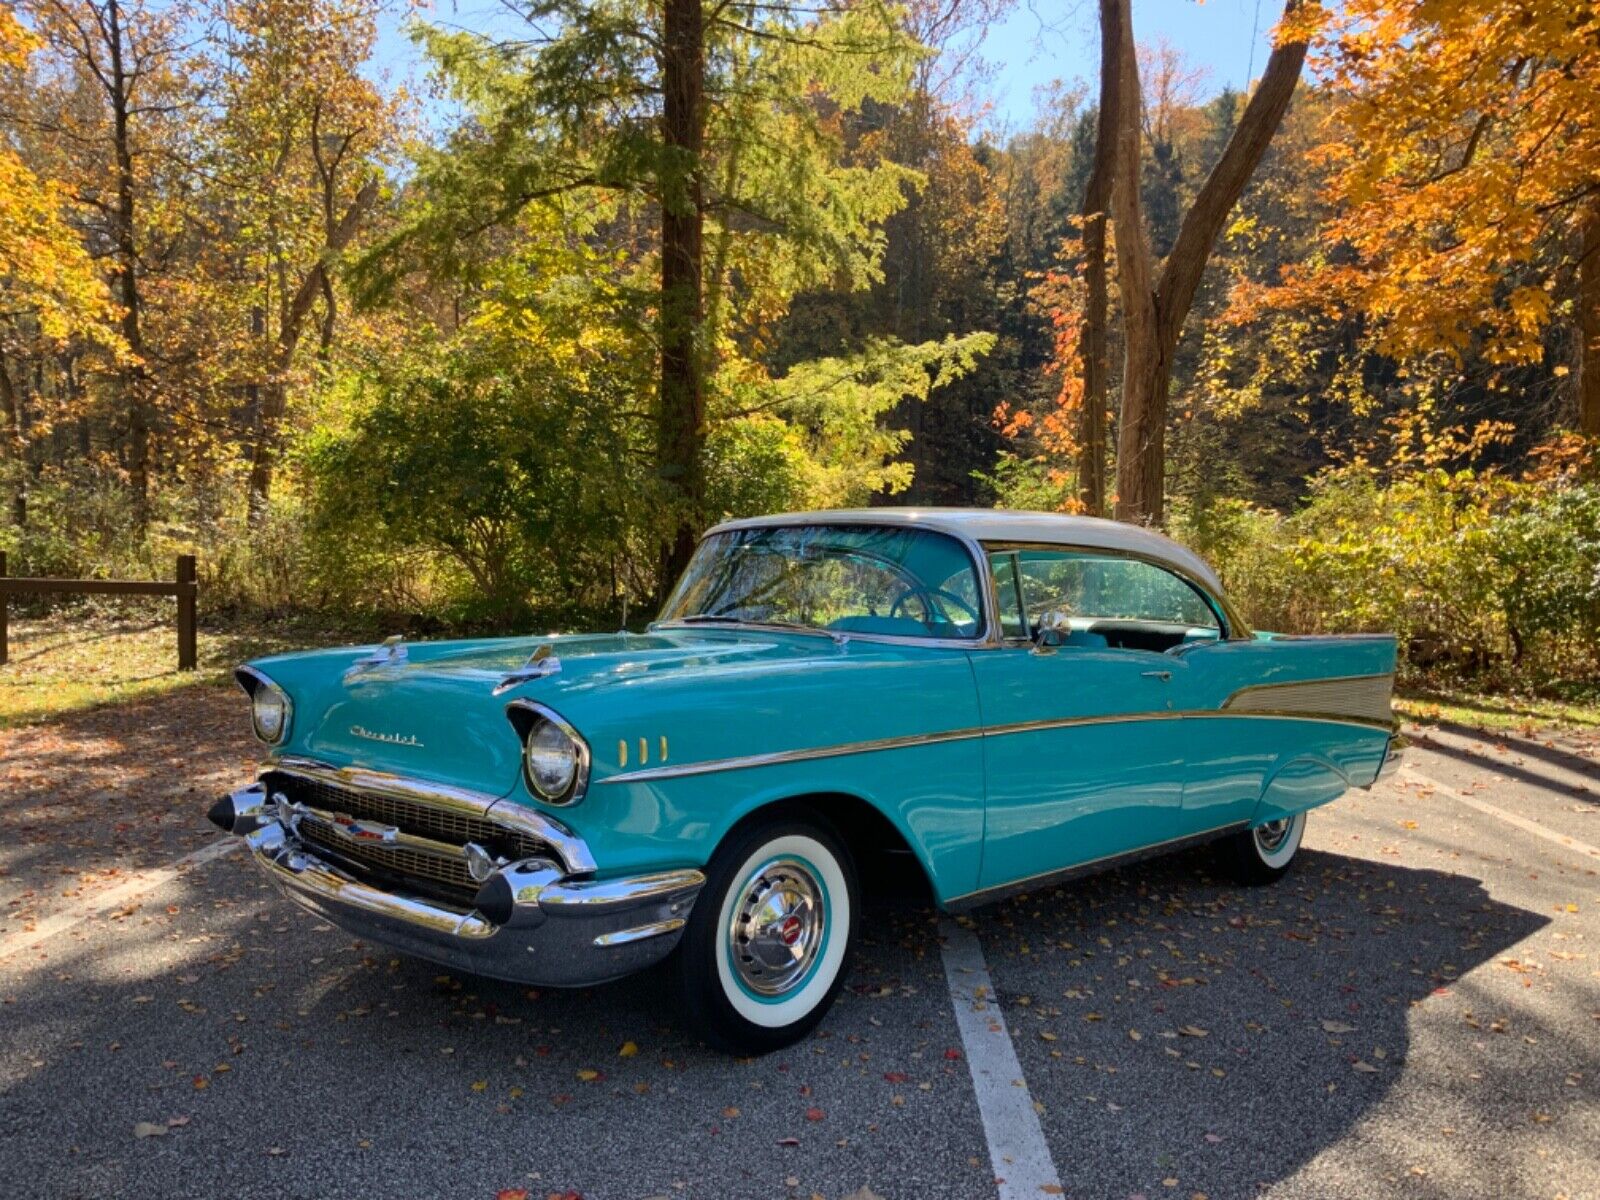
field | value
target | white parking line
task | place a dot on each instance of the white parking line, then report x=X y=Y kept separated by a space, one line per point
x=1412 y=775
x=1023 y=1169
x=111 y=898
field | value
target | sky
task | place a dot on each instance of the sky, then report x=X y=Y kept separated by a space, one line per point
x=1044 y=40
x=1039 y=41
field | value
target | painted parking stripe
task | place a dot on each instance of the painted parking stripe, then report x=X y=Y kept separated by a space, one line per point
x=1023 y=1169
x=138 y=885
x=1412 y=775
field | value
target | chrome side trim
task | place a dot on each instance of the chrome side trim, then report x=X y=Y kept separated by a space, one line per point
x=1366 y=697
x=572 y=850
x=1266 y=714
x=624 y=937
x=745 y=762
x=1094 y=866
x=778 y=757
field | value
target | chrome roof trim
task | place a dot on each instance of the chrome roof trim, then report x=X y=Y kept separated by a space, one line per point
x=976 y=525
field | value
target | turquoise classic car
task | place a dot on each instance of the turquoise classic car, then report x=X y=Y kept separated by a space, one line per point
x=1004 y=699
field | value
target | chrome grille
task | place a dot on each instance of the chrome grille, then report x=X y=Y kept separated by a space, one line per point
x=432 y=872
x=393 y=860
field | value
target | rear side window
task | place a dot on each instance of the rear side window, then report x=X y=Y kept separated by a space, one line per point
x=1090 y=588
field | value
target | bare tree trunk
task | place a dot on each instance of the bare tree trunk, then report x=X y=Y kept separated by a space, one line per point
x=1153 y=316
x=1589 y=324
x=275 y=395
x=16 y=438
x=680 y=421
x=1091 y=433
x=136 y=379
x=1142 y=419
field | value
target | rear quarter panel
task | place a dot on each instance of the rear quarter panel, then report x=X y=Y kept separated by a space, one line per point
x=1288 y=723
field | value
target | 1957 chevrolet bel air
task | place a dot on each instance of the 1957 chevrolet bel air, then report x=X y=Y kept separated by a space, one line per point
x=1008 y=698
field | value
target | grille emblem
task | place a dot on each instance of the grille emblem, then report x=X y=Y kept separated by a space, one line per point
x=365 y=831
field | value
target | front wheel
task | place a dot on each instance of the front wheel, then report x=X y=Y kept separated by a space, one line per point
x=1265 y=853
x=763 y=954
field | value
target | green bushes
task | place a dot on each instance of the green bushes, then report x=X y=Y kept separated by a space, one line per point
x=1476 y=573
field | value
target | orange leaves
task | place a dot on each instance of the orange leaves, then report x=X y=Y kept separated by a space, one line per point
x=1460 y=163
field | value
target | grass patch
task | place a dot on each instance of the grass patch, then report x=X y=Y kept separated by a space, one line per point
x=1510 y=712
x=69 y=662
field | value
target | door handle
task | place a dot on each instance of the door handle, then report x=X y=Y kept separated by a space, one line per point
x=1164 y=676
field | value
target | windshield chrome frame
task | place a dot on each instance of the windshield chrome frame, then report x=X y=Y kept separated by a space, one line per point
x=985 y=639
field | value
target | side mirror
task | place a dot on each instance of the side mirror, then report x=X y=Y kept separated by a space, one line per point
x=1054 y=626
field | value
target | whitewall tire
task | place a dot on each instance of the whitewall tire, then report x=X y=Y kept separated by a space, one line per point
x=764 y=953
x=1265 y=853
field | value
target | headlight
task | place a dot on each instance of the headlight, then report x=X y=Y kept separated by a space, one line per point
x=555 y=758
x=270 y=710
x=552 y=760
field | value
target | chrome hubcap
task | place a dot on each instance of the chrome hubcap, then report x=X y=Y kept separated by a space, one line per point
x=778 y=926
x=1271 y=836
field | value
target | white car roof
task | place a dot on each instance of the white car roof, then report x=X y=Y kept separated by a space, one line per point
x=1008 y=525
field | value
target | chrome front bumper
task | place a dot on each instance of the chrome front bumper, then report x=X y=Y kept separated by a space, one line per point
x=533 y=924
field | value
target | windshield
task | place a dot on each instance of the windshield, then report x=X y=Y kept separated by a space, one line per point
x=838 y=578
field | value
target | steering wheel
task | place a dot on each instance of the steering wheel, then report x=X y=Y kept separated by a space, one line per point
x=925 y=594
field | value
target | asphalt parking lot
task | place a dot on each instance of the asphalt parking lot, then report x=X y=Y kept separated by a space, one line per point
x=1414 y=1012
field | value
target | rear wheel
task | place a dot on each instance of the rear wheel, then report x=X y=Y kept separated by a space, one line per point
x=1265 y=853
x=763 y=955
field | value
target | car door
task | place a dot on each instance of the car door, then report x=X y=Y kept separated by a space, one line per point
x=1084 y=745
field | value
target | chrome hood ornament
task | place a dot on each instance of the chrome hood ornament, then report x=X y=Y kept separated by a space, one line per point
x=541 y=662
x=392 y=652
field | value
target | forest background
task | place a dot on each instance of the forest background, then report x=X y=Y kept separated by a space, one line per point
x=486 y=351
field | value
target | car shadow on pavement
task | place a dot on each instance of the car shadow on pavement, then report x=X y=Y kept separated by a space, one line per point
x=1168 y=1026
x=1536 y=773
x=1174 y=1027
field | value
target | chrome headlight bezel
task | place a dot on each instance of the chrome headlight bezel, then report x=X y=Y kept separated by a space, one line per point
x=258 y=686
x=531 y=719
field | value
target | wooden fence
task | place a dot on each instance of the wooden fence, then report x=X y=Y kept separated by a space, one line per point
x=183 y=586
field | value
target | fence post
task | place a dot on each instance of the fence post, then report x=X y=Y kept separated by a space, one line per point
x=186 y=604
x=2 y=611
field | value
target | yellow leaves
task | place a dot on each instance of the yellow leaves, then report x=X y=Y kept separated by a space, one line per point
x=629 y=1049
x=588 y=1075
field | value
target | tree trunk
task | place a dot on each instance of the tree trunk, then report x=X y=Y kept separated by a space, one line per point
x=680 y=420
x=1143 y=418
x=275 y=395
x=16 y=438
x=125 y=274
x=1092 y=340
x=1153 y=317
x=1589 y=325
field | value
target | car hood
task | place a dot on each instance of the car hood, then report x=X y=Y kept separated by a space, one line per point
x=438 y=711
